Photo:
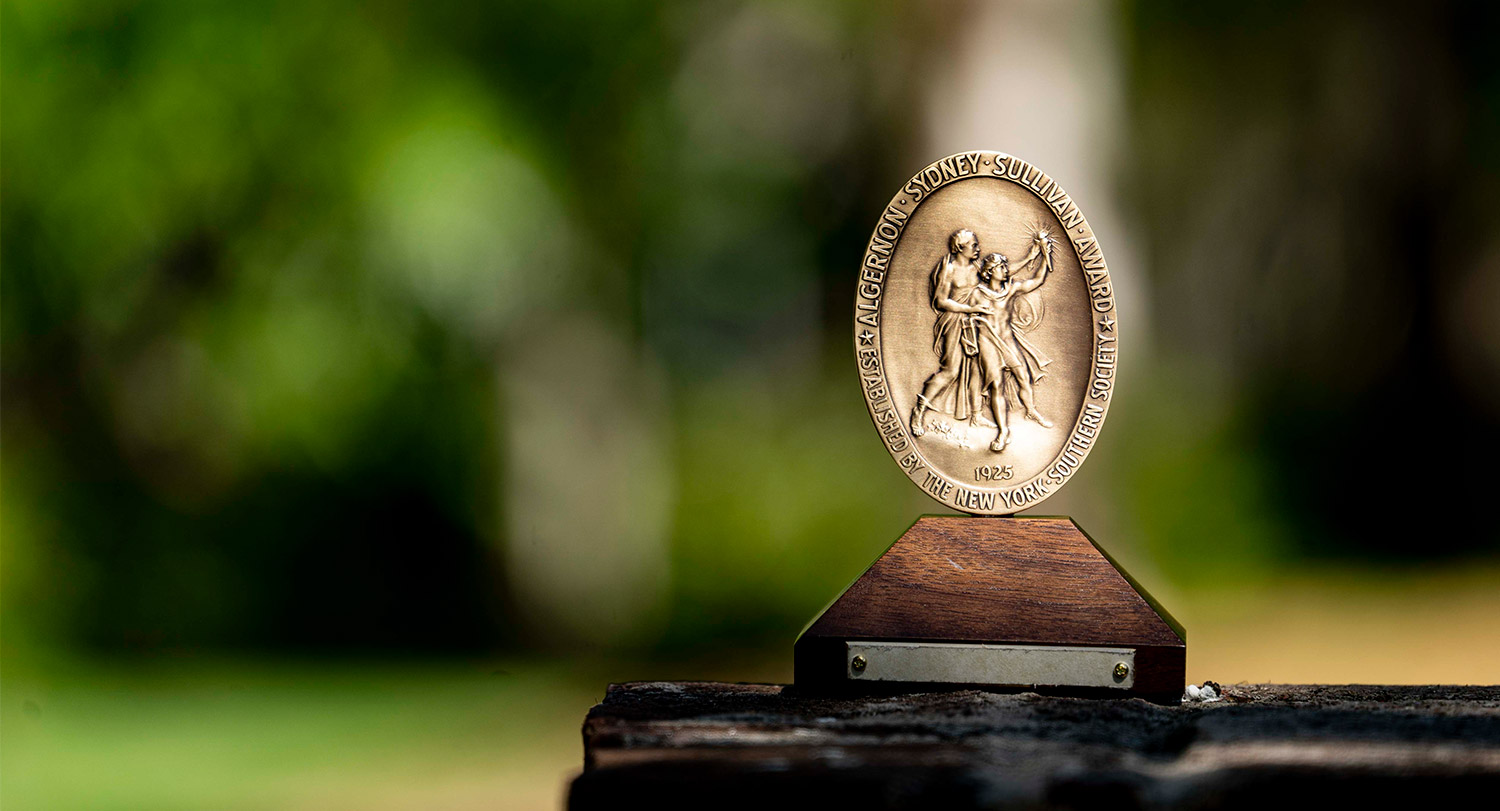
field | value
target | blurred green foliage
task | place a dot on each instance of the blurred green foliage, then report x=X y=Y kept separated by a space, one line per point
x=452 y=326
x=269 y=270
x=1318 y=185
x=330 y=329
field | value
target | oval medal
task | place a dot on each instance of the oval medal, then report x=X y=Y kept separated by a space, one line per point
x=985 y=333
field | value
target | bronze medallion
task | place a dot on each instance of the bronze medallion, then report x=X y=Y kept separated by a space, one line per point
x=985 y=331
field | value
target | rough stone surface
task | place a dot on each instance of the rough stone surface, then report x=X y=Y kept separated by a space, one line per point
x=711 y=745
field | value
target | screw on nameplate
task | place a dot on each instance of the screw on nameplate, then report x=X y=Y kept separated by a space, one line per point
x=997 y=665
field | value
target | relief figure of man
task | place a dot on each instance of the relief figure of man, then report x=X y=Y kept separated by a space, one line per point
x=953 y=281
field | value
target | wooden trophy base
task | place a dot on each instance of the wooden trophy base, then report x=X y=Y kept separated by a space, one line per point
x=1028 y=603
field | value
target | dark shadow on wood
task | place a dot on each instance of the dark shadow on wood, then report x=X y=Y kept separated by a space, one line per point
x=681 y=745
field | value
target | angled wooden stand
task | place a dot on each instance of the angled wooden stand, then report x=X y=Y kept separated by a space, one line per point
x=1028 y=603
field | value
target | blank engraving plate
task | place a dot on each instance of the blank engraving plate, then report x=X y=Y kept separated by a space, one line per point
x=984 y=327
x=1007 y=665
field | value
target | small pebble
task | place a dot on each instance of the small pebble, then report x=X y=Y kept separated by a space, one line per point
x=1209 y=691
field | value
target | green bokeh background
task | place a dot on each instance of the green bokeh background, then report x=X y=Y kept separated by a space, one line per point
x=380 y=380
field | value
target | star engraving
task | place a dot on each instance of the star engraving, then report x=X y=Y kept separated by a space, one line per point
x=867 y=337
x=1106 y=325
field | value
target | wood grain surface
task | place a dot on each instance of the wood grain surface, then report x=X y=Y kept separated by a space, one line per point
x=711 y=745
x=1034 y=581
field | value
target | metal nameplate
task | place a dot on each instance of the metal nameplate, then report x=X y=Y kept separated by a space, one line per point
x=1007 y=665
